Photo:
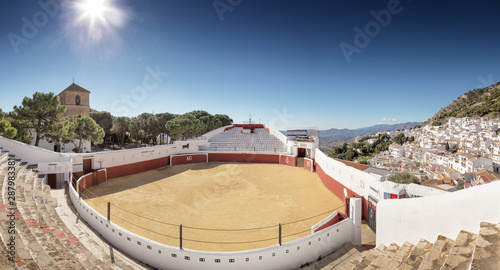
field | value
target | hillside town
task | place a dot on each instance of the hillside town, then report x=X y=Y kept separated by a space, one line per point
x=462 y=153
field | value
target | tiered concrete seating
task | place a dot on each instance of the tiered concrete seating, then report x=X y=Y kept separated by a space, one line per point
x=30 y=255
x=337 y=259
x=467 y=251
x=487 y=251
x=460 y=256
x=42 y=239
x=417 y=255
x=234 y=140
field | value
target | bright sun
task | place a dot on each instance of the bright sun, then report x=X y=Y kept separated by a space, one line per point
x=94 y=8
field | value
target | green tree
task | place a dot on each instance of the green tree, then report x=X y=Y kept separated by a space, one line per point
x=136 y=129
x=23 y=134
x=104 y=119
x=85 y=128
x=183 y=126
x=39 y=113
x=61 y=133
x=1 y=114
x=162 y=119
x=351 y=154
x=6 y=130
x=194 y=124
x=400 y=139
x=404 y=178
x=224 y=119
x=121 y=125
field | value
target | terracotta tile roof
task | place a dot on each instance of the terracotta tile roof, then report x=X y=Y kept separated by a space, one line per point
x=485 y=179
x=430 y=182
x=489 y=174
x=75 y=87
x=355 y=165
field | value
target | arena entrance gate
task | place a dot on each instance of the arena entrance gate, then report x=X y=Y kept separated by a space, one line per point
x=301 y=152
x=87 y=165
x=372 y=213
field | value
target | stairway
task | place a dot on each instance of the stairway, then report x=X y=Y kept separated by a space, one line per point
x=42 y=239
x=467 y=251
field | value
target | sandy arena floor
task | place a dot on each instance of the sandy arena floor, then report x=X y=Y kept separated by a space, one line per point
x=217 y=196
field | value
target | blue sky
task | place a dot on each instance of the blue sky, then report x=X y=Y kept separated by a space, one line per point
x=279 y=61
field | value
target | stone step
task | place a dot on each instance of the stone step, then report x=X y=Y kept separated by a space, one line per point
x=29 y=185
x=61 y=246
x=385 y=260
x=87 y=263
x=39 y=182
x=31 y=255
x=438 y=254
x=46 y=239
x=65 y=213
x=23 y=257
x=403 y=252
x=461 y=252
x=46 y=225
x=364 y=259
x=41 y=253
x=33 y=166
x=338 y=258
x=3 y=161
x=487 y=251
x=82 y=249
x=33 y=226
x=417 y=255
x=4 y=262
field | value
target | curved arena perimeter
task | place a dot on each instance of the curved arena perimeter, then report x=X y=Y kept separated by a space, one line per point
x=216 y=203
x=364 y=194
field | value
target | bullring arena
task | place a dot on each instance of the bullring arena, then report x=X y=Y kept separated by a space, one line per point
x=244 y=196
x=225 y=198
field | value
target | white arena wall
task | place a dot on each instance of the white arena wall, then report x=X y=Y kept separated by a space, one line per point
x=366 y=184
x=411 y=219
x=437 y=213
x=48 y=161
x=289 y=255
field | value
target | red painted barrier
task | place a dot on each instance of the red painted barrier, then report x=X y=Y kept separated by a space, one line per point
x=338 y=189
x=138 y=167
x=254 y=158
x=288 y=160
x=309 y=164
x=332 y=221
x=85 y=183
x=188 y=159
x=99 y=177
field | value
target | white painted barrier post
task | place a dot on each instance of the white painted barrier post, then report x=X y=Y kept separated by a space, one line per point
x=355 y=215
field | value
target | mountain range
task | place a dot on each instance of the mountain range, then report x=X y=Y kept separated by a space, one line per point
x=336 y=136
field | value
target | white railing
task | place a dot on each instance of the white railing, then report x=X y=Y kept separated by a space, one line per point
x=289 y=255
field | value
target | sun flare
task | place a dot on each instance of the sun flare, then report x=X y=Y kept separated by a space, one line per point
x=94 y=8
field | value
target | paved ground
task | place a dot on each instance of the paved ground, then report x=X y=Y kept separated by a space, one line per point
x=220 y=196
x=368 y=237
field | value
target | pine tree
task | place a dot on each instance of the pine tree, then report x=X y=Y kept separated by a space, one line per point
x=40 y=114
x=6 y=130
x=86 y=129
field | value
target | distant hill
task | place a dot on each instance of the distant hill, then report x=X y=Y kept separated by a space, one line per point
x=483 y=102
x=334 y=136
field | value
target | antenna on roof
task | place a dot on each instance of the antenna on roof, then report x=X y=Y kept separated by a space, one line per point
x=73 y=79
